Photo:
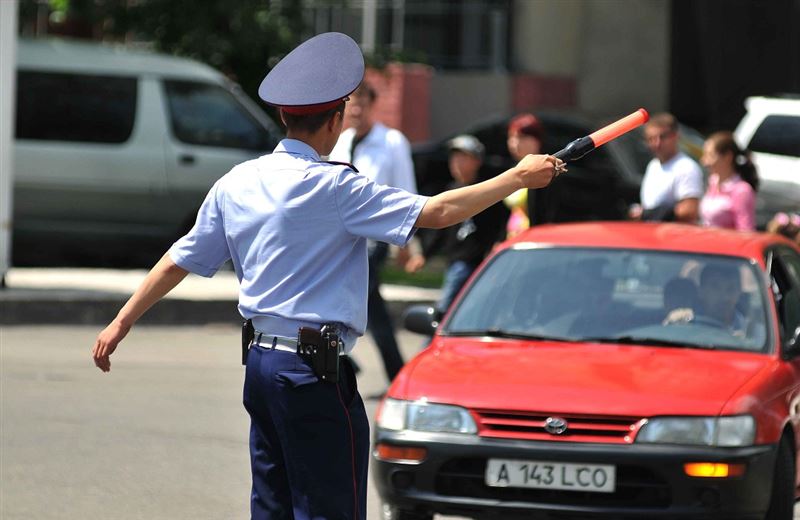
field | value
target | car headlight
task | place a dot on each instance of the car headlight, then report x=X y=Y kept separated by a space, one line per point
x=422 y=416
x=738 y=430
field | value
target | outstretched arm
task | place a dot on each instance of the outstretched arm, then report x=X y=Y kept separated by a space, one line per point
x=453 y=206
x=161 y=279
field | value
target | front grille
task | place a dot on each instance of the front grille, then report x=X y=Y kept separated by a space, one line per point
x=635 y=487
x=531 y=426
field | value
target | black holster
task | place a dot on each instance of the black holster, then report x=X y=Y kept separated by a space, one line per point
x=321 y=347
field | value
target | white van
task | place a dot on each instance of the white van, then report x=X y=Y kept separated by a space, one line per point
x=771 y=131
x=115 y=150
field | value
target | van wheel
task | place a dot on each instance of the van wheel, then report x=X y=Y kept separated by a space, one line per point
x=781 y=503
x=390 y=512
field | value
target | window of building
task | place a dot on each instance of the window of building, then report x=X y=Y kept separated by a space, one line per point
x=75 y=107
x=447 y=34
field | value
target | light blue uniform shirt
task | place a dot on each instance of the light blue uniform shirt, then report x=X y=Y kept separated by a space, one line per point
x=295 y=229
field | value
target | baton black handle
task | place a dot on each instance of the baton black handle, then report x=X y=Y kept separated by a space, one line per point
x=576 y=149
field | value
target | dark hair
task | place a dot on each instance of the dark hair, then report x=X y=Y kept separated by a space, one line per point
x=310 y=123
x=719 y=270
x=365 y=89
x=723 y=143
x=526 y=124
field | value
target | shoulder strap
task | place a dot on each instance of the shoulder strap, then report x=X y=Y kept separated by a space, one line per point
x=339 y=163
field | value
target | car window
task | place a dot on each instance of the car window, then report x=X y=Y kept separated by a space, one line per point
x=208 y=115
x=582 y=294
x=778 y=135
x=75 y=107
x=785 y=290
x=789 y=285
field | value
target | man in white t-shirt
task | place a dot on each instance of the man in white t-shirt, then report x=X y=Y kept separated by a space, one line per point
x=673 y=183
x=383 y=155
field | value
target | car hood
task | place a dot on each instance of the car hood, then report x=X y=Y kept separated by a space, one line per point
x=577 y=378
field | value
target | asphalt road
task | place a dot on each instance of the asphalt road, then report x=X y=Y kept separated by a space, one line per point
x=162 y=436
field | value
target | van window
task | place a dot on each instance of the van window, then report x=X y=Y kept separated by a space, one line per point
x=209 y=115
x=778 y=135
x=75 y=107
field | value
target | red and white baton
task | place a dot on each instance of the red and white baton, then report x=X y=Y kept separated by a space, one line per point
x=580 y=147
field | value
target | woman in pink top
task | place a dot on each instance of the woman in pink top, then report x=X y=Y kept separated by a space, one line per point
x=730 y=200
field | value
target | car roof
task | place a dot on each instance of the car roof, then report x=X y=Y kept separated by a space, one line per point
x=645 y=235
x=62 y=55
x=788 y=104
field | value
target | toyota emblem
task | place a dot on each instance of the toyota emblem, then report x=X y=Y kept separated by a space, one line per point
x=555 y=425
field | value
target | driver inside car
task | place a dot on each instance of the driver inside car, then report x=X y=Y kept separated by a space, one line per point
x=720 y=291
x=716 y=301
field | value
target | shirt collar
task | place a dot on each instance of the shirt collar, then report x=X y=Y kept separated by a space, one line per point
x=733 y=179
x=370 y=137
x=295 y=147
x=672 y=159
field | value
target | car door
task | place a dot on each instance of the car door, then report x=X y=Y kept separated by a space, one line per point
x=211 y=129
x=784 y=264
x=84 y=167
x=787 y=277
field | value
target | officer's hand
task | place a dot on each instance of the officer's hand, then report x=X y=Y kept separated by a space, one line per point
x=538 y=170
x=106 y=344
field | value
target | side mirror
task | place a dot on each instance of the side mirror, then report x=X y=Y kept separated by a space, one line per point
x=422 y=319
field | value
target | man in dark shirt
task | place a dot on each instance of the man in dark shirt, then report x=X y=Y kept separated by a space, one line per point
x=467 y=243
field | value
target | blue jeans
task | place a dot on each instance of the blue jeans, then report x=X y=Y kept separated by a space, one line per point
x=454 y=279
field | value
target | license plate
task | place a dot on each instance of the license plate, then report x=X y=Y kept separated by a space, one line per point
x=550 y=475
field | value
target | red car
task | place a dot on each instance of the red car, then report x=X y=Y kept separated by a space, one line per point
x=604 y=370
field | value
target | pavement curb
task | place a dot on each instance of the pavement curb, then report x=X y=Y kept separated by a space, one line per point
x=166 y=312
x=93 y=297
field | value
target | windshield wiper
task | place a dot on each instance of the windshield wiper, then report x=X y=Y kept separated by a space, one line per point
x=643 y=340
x=500 y=333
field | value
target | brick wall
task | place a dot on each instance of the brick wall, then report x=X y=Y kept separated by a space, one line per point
x=538 y=91
x=404 y=98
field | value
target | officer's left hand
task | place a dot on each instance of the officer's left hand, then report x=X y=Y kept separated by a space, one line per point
x=106 y=344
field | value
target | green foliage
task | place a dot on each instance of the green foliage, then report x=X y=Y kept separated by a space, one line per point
x=428 y=278
x=242 y=38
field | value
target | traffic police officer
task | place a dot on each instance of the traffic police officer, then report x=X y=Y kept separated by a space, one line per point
x=296 y=229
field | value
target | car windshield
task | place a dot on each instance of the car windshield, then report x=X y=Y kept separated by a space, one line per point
x=616 y=296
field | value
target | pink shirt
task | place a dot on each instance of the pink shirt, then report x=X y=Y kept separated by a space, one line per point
x=730 y=204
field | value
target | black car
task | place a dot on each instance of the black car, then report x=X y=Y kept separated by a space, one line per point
x=600 y=186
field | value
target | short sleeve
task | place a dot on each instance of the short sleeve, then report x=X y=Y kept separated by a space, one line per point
x=371 y=210
x=204 y=249
x=688 y=181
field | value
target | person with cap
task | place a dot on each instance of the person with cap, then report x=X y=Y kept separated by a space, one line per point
x=295 y=229
x=467 y=243
x=524 y=137
x=383 y=155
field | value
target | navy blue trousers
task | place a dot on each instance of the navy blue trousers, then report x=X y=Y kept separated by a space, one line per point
x=309 y=440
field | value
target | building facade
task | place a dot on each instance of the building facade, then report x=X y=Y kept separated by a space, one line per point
x=602 y=58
